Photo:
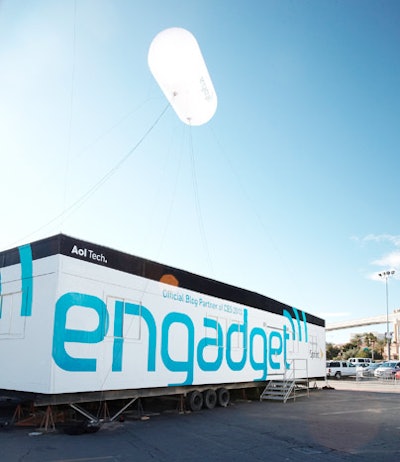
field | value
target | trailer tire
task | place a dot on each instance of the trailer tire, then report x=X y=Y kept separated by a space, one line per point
x=80 y=427
x=4 y=423
x=223 y=396
x=74 y=428
x=92 y=427
x=195 y=401
x=210 y=398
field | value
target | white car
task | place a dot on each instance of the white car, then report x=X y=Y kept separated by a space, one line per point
x=387 y=369
x=339 y=369
x=363 y=362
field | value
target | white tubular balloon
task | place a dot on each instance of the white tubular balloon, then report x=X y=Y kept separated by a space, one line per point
x=176 y=62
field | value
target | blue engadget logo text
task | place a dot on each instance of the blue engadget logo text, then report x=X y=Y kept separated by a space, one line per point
x=273 y=352
x=263 y=350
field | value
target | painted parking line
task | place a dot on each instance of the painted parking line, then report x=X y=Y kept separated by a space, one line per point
x=359 y=411
x=90 y=459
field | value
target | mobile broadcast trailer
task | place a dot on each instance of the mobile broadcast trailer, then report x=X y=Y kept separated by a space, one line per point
x=82 y=323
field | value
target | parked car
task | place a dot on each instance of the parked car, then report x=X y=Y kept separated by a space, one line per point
x=363 y=362
x=339 y=369
x=369 y=369
x=387 y=369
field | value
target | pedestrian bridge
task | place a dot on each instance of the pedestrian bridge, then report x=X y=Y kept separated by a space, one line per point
x=394 y=328
x=381 y=319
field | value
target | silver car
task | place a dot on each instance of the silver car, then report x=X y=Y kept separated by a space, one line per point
x=387 y=369
x=369 y=370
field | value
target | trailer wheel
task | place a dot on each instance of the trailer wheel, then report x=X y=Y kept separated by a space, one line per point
x=223 y=396
x=195 y=400
x=74 y=428
x=79 y=427
x=4 y=423
x=210 y=398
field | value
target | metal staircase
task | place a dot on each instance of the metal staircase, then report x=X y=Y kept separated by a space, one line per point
x=289 y=387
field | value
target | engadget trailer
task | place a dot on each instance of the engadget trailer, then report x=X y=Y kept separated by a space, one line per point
x=80 y=322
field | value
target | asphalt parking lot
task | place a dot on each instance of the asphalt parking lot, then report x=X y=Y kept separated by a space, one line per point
x=350 y=421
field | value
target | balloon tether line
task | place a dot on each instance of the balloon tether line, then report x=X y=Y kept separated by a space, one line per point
x=197 y=202
x=79 y=202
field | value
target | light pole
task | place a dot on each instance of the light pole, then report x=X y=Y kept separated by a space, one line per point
x=386 y=275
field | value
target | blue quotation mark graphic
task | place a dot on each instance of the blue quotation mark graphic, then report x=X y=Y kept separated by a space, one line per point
x=25 y=257
x=299 y=336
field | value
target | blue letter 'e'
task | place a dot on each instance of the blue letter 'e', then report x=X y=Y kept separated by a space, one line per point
x=63 y=335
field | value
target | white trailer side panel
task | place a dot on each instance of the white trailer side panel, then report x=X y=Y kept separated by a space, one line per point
x=88 y=327
x=26 y=336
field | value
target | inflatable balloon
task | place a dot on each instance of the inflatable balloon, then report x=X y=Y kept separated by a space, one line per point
x=177 y=64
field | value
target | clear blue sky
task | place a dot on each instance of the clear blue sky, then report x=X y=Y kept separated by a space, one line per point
x=291 y=190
